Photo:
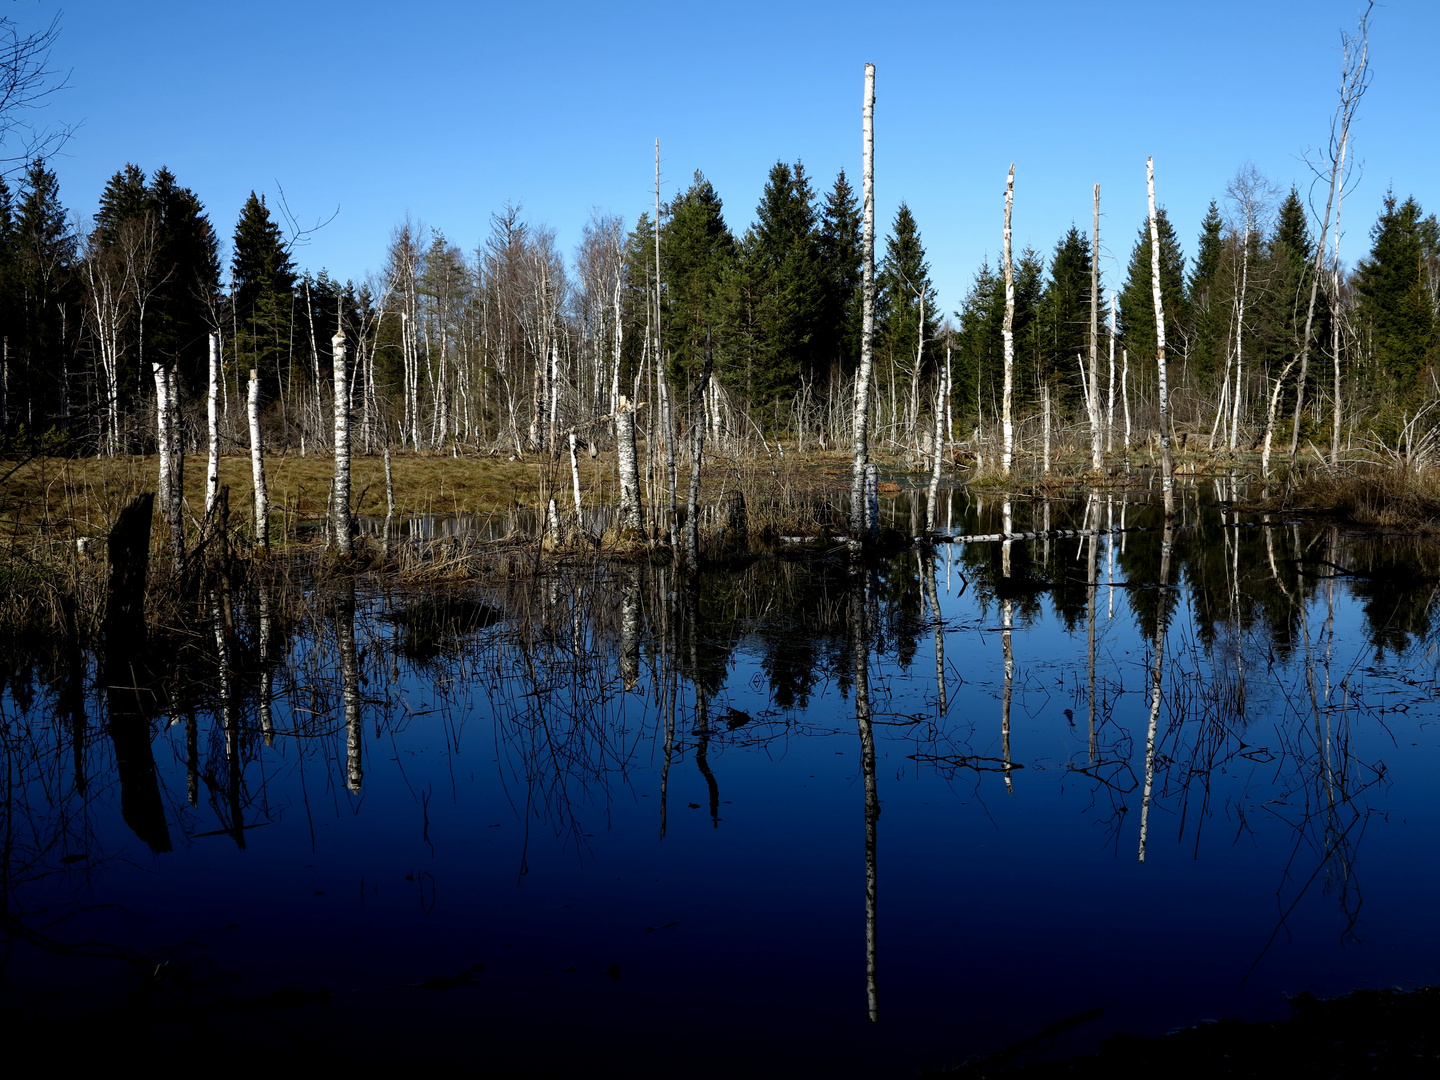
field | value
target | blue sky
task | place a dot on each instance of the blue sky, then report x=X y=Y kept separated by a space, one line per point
x=444 y=111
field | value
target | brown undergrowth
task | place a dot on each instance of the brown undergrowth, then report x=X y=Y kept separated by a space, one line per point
x=1379 y=494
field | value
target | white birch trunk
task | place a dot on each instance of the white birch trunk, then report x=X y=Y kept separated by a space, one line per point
x=1167 y=473
x=629 y=469
x=575 y=484
x=1125 y=393
x=212 y=470
x=1240 y=337
x=340 y=507
x=1007 y=418
x=1045 y=408
x=1097 y=461
x=257 y=467
x=1110 y=408
x=860 y=525
x=1335 y=308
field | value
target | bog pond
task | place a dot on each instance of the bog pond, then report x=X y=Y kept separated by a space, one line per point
x=790 y=817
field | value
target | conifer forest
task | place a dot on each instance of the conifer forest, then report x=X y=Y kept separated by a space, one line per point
x=497 y=348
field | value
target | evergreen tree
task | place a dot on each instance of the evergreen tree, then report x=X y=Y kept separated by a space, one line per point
x=840 y=257
x=188 y=286
x=1395 y=302
x=697 y=254
x=42 y=359
x=125 y=198
x=9 y=309
x=1063 y=322
x=784 y=286
x=903 y=292
x=1137 y=306
x=1209 y=310
x=262 y=291
x=978 y=345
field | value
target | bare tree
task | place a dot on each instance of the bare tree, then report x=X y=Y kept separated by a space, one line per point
x=1092 y=399
x=1167 y=472
x=1354 y=80
x=1251 y=195
x=1007 y=418
x=26 y=83
x=860 y=526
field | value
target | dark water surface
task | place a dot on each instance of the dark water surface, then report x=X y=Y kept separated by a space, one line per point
x=791 y=819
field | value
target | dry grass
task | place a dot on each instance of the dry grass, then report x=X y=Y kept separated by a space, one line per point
x=1380 y=494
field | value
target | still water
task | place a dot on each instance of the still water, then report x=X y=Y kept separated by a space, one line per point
x=786 y=818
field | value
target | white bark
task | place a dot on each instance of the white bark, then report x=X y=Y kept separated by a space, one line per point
x=212 y=470
x=1240 y=335
x=1110 y=409
x=1007 y=419
x=1093 y=398
x=340 y=506
x=1167 y=472
x=860 y=526
x=629 y=469
x=1045 y=408
x=257 y=466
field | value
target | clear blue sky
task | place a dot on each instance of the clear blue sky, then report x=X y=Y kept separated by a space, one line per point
x=445 y=110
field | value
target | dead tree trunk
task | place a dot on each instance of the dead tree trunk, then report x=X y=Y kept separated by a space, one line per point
x=257 y=467
x=1167 y=472
x=1354 y=79
x=697 y=450
x=340 y=506
x=1097 y=460
x=212 y=470
x=1007 y=418
x=859 y=524
x=631 y=521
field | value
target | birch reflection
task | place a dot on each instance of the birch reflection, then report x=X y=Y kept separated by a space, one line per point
x=1162 y=619
x=860 y=653
x=350 y=685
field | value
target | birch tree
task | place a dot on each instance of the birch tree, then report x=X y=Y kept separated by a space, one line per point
x=1167 y=472
x=1007 y=333
x=340 y=504
x=1354 y=80
x=860 y=525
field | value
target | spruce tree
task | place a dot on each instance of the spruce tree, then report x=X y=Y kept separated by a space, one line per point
x=1063 y=321
x=1395 y=304
x=978 y=348
x=784 y=286
x=1137 y=308
x=42 y=359
x=839 y=240
x=187 y=292
x=697 y=254
x=903 y=283
x=1209 y=311
x=262 y=292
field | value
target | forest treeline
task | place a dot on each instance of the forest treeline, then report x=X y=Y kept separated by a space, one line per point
x=506 y=347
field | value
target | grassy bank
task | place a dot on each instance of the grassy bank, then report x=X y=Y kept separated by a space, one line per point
x=85 y=494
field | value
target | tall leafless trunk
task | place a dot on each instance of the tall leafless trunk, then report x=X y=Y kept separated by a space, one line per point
x=1110 y=408
x=1354 y=79
x=1157 y=670
x=628 y=464
x=697 y=450
x=212 y=469
x=340 y=507
x=1007 y=398
x=860 y=525
x=1167 y=472
x=1097 y=460
x=257 y=466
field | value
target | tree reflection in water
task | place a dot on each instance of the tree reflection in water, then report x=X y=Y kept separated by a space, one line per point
x=1230 y=642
